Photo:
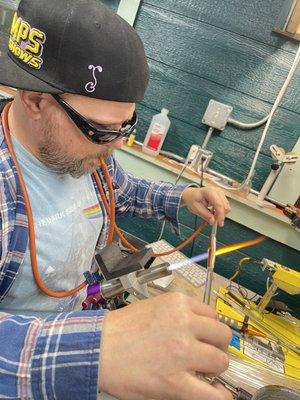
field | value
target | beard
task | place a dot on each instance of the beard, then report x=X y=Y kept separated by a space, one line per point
x=53 y=155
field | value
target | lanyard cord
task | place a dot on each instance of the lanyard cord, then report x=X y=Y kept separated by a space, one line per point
x=110 y=209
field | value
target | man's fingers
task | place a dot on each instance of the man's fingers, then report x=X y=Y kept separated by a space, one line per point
x=219 y=209
x=203 y=212
x=219 y=213
x=213 y=332
x=218 y=201
x=208 y=359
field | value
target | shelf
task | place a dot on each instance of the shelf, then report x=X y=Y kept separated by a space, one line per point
x=244 y=210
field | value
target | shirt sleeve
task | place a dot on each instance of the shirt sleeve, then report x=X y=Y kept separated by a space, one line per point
x=55 y=358
x=147 y=199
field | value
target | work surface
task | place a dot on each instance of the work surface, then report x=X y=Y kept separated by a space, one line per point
x=248 y=376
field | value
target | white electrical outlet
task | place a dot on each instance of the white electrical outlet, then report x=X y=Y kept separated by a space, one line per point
x=286 y=188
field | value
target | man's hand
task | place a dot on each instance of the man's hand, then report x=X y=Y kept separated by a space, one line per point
x=198 y=200
x=153 y=348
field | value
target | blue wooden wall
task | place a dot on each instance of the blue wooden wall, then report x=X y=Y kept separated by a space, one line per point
x=224 y=50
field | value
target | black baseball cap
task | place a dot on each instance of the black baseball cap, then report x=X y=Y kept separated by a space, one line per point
x=74 y=46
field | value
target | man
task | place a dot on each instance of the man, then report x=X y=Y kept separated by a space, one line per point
x=79 y=70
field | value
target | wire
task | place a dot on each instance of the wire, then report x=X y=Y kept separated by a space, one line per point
x=250 y=125
x=238 y=269
x=248 y=180
x=31 y=232
x=175 y=183
x=241 y=263
x=110 y=209
x=196 y=216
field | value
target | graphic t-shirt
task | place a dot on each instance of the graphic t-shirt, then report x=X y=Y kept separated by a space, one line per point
x=67 y=220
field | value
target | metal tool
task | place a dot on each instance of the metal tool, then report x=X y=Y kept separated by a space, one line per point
x=238 y=393
x=210 y=265
x=135 y=284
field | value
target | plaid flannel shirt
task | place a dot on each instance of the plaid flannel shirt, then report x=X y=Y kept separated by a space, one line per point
x=58 y=357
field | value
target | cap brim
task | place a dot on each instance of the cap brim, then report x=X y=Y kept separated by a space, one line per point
x=14 y=76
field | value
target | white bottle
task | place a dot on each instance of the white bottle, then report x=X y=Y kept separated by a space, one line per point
x=157 y=132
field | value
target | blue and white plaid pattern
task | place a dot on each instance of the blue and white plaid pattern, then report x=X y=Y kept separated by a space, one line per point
x=57 y=358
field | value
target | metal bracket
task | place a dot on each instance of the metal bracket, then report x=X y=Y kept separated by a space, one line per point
x=281 y=156
x=199 y=158
x=131 y=284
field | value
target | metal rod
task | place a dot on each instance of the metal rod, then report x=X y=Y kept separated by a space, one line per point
x=207 y=138
x=115 y=288
x=151 y=274
x=210 y=265
x=268 y=183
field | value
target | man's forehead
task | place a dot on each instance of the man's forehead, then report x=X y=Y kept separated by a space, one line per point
x=92 y=102
x=91 y=108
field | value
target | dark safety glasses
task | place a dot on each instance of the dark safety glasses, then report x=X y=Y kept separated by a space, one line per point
x=95 y=132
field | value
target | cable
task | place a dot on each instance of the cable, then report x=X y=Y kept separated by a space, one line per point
x=236 y=274
x=247 y=181
x=238 y=268
x=250 y=125
x=172 y=156
x=204 y=145
x=32 y=245
x=196 y=216
x=175 y=183
x=241 y=264
x=110 y=209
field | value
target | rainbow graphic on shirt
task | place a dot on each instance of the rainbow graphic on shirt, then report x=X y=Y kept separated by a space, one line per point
x=93 y=212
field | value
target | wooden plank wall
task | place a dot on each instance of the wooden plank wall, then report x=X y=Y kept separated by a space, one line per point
x=224 y=50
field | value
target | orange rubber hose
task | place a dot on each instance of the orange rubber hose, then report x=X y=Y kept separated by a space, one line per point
x=34 y=265
x=110 y=209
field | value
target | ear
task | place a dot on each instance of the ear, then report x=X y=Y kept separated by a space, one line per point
x=32 y=103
